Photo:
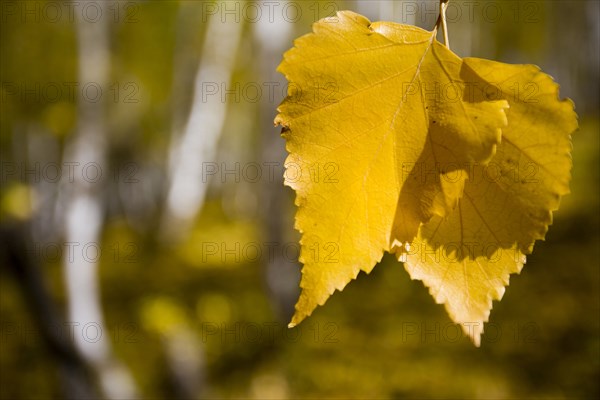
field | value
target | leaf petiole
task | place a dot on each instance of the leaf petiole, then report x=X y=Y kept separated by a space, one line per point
x=442 y=21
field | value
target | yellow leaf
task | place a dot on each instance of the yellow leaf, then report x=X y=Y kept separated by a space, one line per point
x=466 y=258
x=367 y=116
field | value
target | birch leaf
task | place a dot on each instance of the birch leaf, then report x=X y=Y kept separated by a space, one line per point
x=384 y=126
x=466 y=258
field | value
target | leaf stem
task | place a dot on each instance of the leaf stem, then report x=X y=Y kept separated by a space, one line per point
x=442 y=21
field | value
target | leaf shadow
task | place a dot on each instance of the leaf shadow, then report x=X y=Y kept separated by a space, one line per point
x=434 y=184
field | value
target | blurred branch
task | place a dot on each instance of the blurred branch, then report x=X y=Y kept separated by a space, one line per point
x=198 y=143
x=84 y=211
x=281 y=275
x=77 y=378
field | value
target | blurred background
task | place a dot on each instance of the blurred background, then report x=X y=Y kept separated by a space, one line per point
x=148 y=248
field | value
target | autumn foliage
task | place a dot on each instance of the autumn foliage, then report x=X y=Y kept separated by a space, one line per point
x=453 y=165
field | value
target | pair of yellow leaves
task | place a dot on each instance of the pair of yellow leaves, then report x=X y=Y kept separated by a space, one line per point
x=396 y=144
